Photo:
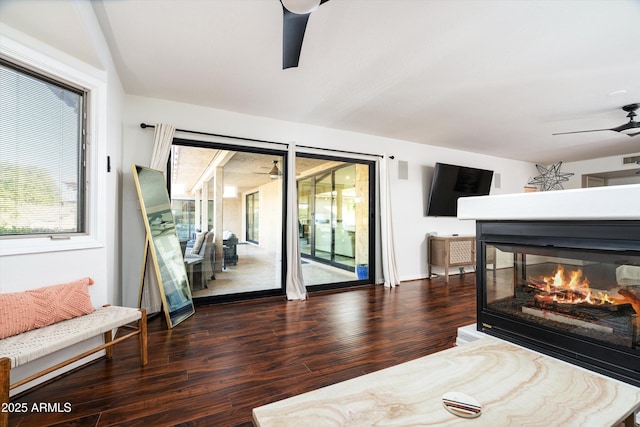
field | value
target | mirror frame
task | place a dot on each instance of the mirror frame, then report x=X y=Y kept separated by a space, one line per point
x=163 y=243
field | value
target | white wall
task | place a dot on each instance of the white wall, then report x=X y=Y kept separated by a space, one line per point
x=409 y=220
x=594 y=166
x=626 y=180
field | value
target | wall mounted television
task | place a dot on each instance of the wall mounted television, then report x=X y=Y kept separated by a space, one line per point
x=451 y=182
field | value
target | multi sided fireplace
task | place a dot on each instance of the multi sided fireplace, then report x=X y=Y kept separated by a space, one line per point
x=570 y=289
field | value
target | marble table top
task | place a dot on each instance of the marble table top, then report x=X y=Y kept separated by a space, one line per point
x=514 y=385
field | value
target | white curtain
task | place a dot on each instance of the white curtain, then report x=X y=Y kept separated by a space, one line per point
x=162 y=139
x=389 y=268
x=294 y=281
x=149 y=297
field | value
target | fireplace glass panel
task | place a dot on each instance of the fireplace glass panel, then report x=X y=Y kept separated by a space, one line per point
x=592 y=294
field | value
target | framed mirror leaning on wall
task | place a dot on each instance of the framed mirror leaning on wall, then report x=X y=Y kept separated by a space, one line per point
x=163 y=244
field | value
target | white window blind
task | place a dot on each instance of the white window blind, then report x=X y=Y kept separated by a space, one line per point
x=42 y=189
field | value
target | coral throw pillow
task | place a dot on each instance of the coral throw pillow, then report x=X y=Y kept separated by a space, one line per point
x=24 y=311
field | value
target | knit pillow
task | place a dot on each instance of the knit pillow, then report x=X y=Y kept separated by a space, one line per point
x=36 y=308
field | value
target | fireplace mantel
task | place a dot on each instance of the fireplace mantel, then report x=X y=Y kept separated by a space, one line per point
x=621 y=202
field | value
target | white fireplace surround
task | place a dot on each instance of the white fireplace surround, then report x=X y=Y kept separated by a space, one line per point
x=620 y=202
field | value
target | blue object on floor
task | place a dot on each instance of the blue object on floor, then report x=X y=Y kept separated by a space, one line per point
x=362 y=270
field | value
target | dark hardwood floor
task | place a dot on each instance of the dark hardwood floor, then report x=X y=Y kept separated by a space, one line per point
x=212 y=369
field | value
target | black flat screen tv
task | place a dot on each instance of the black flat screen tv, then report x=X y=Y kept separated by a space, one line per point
x=451 y=182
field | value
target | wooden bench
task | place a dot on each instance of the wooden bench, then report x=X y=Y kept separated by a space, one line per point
x=23 y=348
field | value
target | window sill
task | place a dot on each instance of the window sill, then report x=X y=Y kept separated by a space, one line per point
x=45 y=244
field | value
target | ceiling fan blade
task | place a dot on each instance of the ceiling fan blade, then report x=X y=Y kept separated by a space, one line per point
x=629 y=125
x=580 y=131
x=618 y=129
x=293 y=27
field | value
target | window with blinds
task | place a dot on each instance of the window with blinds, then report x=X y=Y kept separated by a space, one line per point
x=42 y=163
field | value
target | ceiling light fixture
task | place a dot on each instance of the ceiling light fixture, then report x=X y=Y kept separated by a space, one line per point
x=301 y=7
x=274 y=172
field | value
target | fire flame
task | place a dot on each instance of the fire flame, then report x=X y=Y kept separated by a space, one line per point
x=568 y=288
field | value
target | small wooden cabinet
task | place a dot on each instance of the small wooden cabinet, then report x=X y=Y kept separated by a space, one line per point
x=451 y=251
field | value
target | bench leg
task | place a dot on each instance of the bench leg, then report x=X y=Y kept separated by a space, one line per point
x=630 y=421
x=108 y=337
x=5 y=368
x=142 y=337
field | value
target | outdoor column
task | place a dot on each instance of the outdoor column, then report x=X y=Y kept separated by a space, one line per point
x=218 y=191
x=362 y=214
x=204 y=225
x=198 y=214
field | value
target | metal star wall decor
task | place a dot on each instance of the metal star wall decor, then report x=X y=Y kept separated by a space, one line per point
x=550 y=178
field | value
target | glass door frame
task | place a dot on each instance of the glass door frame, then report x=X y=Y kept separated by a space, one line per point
x=283 y=248
x=250 y=217
x=372 y=221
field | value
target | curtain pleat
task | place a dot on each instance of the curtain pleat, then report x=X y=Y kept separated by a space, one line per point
x=294 y=282
x=162 y=140
x=389 y=265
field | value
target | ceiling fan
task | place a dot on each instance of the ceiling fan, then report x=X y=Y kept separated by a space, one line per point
x=273 y=173
x=624 y=128
x=295 y=17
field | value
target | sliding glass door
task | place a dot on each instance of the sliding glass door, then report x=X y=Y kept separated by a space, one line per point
x=237 y=194
x=335 y=205
x=344 y=216
x=323 y=217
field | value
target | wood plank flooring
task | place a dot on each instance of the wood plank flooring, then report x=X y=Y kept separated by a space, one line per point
x=215 y=367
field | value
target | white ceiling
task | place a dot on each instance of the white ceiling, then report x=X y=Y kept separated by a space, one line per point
x=486 y=76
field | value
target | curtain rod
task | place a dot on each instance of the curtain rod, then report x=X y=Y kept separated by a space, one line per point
x=343 y=151
x=144 y=126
